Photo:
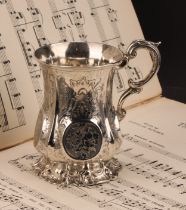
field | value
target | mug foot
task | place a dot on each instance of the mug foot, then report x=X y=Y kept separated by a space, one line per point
x=79 y=174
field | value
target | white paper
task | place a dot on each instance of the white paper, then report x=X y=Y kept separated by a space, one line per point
x=27 y=24
x=153 y=175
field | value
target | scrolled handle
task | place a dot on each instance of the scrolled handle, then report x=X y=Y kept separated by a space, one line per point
x=135 y=87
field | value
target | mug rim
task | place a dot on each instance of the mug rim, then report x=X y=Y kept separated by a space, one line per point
x=48 y=60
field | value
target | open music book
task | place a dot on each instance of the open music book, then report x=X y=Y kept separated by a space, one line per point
x=152 y=178
x=27 y=24
x=154 y=132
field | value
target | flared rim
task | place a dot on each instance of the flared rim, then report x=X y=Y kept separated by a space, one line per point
x=69 y=55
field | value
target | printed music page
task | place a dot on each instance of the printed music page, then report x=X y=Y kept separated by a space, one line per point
x=152 y=178
x=29 y=24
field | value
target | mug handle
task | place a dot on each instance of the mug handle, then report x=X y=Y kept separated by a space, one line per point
x=136 y=87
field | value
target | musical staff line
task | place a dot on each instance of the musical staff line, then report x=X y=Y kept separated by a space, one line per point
x=43 y=198
x=152 y=194
x=100 y=6
x=26 y=23
x=112 y=191
x=3 y=117
x=78 y=20
x=23 y=164
x=134 y=73
x=150 y=169
x=97 y=19
x=136 y=140
x=21 y=26
x=96 y=13
x=13 y=201
x=58 y=21
x=14 y=95
x=61 y=10
x=5 y=75
x=111 y=39
x=37 y=17
x=66 y=18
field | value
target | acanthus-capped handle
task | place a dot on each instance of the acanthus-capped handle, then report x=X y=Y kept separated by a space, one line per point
x=135 y=87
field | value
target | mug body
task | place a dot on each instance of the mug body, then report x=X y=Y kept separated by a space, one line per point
x=77 y=130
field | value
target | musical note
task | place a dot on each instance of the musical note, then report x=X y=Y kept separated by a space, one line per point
x=58 y=21
x=26 y=191
x=145 y=191
x=67 y=20
x=182 y=125
x=137 y=141
x=76 y=18
x=113 y=195
x=12 y=91
x=3 y=1
x=15 y=201
x=97 y=12
x=70 y=2
x=119 y=82
x=97 y=19
x=152 y=173
x=134 y=73
x=112 y=14
x=21 y=26
x=17 y=18
x=3 y=117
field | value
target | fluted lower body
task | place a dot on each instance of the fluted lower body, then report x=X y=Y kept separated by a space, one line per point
x=77 y=131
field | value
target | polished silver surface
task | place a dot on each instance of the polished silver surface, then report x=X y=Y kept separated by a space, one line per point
x=77 y=131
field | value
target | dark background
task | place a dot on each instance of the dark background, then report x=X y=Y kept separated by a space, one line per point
x=165 y=21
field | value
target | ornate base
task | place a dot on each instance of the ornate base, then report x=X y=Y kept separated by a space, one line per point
x=79 y=174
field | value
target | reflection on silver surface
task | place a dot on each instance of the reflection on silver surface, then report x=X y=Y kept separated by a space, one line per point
x=77 y=130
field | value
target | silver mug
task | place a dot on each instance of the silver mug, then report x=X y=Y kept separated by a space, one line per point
x=77 y=131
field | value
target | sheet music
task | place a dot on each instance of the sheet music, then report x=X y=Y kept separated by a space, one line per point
x=28 y=24
x=152 y=178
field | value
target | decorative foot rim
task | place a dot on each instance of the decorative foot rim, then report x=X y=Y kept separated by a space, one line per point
x=79 y=174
